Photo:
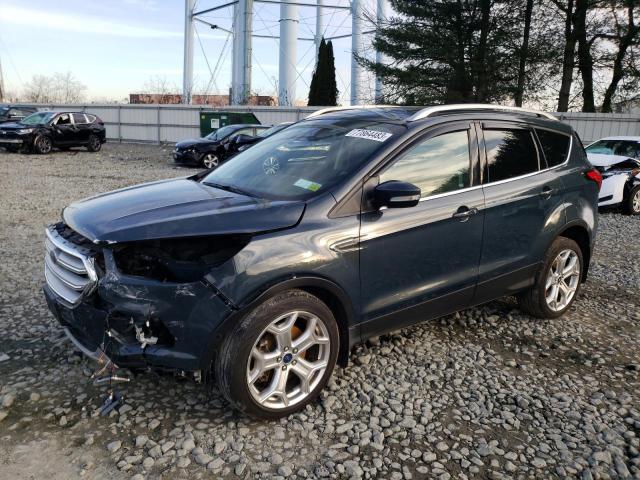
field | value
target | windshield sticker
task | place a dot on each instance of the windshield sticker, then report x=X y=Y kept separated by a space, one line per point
x=308 y=185
x=369 y=134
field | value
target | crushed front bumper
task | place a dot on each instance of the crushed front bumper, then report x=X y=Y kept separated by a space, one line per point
x=178 y=322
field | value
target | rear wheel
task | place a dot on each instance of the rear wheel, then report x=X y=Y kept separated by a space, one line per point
x=280 y=356
x=632 y=202
x=210 y=160
x=557 y=283
x=94 y=144
x=42 y=144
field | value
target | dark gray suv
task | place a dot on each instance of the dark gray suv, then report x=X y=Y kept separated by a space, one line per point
x=264 y=272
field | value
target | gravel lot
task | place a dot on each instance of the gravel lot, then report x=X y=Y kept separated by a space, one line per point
x=484 y=393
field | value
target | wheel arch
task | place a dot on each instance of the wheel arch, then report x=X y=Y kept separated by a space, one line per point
x=579 y=233
x=334 y=296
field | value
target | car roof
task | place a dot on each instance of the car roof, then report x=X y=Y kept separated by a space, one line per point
x=621 y=137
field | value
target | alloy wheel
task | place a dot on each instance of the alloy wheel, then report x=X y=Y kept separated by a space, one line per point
x=288 y=360
x=563 y=279
x=636 y=202
x=44 y=145
x=210 y=160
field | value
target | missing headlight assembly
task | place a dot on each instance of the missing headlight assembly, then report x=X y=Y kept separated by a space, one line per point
x=177 y=260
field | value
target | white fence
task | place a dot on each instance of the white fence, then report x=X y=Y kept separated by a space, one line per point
x=171 y=123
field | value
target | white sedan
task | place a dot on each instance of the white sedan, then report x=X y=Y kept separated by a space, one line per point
x=617 y=159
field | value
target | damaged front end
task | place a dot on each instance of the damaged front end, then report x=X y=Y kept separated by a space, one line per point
x=142 y=304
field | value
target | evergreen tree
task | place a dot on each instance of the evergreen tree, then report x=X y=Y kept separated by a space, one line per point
x=323 y=90
x=445 y=51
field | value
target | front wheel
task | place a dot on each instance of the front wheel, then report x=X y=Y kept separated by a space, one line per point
x=280 y=356
x=210 y=160
x=557 y=283
x=42 y=144
x=94 y=144
x=632 y=202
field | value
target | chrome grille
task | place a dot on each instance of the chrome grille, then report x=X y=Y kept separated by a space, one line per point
x=68 y=268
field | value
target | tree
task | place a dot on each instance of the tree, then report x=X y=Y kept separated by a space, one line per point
x=445 y=51
x=524 y=54
x=161 y=86
x=323 y=90
x=57 y=88
x=625 y=35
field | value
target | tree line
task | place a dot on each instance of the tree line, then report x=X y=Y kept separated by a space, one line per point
x=555 y=54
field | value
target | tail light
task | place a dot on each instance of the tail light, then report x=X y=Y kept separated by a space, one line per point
x=595 y=176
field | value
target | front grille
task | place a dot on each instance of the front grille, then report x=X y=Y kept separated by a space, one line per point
x=68 y=268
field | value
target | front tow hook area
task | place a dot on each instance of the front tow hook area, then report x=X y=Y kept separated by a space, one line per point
x=105 y=375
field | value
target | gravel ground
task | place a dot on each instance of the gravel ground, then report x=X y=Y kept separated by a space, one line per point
x=485 y=393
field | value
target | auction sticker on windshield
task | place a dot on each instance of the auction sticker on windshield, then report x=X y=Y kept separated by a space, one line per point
x=369 y=134
x=308 y=185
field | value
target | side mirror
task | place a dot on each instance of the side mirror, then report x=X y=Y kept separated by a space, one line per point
x=396 y=194
x=244 y=138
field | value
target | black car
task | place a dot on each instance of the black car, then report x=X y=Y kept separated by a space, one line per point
x=353 y=222
x=15 y=113
x=43 y=131
x=242 y=142
x=210 y=151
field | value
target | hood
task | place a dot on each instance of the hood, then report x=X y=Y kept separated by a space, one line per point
x=192 y=142
x=6 y=125
x=176 y=208
x=602 y=160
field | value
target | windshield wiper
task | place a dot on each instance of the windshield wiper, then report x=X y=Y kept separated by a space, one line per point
x=230 y=188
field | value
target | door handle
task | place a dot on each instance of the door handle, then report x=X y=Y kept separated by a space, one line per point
x=463 y=213
x=546 y=192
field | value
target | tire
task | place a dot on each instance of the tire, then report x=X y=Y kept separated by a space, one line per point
x=632 y=202
x=210 y=160
x=42 y=145
x=538 y=301
x=242 y=381
x=93 y=143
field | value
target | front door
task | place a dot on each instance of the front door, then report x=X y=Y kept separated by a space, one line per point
x=63 y=130
x=421 y=262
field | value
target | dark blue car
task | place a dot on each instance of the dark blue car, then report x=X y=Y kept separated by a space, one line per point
x=353 y=222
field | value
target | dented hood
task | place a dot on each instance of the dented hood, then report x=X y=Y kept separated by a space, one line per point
x=176 y=208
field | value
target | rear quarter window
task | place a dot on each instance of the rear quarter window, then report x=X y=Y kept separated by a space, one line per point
x=555 y=146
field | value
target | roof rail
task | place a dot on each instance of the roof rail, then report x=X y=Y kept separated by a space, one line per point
x=322 y=111
x=430 y=111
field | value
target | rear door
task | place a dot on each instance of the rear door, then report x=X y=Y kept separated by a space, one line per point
x=421 y=262
x=81 y=130
x=523 y=201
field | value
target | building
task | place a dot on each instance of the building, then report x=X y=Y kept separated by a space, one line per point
x=214 y=100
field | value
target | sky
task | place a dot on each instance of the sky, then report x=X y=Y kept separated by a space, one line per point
x=114 y=47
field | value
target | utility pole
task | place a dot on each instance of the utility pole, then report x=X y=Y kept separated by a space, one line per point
x=319 y=25
x=241 y=55
x=187 y=68
x=356 y=49
x=288 y=54
x=380 y=17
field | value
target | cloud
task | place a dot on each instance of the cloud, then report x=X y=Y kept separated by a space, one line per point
x=71 y=22
x=142 y=4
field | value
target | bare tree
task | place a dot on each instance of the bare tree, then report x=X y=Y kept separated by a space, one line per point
x=57 y=88
x=161 y=86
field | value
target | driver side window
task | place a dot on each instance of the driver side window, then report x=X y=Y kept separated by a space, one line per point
x=63 y=119
x=437 y=165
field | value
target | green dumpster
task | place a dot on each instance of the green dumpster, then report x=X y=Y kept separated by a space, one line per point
x=212 y=121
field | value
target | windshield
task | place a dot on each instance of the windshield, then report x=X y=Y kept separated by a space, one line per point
x=270 y=131
x=221 y=133
x=39 y=118
x=303 y=160
x=625 y=148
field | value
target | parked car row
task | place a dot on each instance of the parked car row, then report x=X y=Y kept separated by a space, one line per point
x=263 y=272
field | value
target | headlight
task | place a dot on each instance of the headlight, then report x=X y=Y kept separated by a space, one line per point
x=24 y=131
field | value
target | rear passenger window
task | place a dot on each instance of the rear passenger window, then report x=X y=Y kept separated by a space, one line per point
x=510 y=153
x=90 y=118
x=437 y=165
x=79 y=118
x=555 y=146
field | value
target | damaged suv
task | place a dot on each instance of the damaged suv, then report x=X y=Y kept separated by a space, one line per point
x=263 y=273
